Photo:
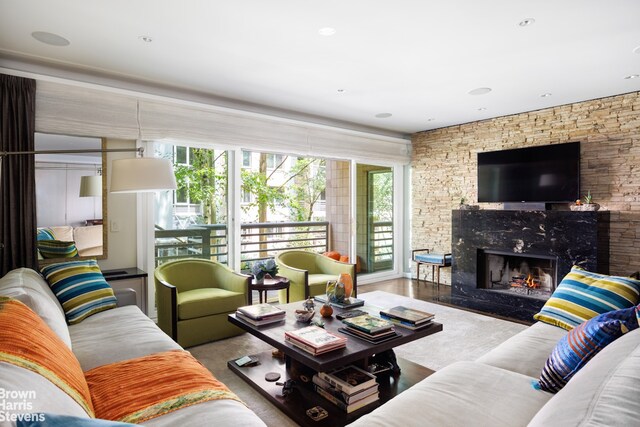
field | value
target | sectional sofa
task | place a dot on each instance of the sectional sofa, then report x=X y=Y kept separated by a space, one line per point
x=498 y=389
x=115 y=335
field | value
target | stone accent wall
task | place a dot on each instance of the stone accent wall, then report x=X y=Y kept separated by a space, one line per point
x=337 y=196
x=444 y=166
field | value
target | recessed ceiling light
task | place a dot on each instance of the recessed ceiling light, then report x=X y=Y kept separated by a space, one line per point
x=480 y=91
x=545 y=95
x=526 y=22
x=50 y=38
x=327 y=31
x=482 y=109
x=146 y=39
x=383 y=115
x=341 y=90
x=637 y=50
x=632 y=76
x=430 y=119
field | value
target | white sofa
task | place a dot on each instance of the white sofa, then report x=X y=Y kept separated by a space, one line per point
x=88 y=239
x=496 y=389
x=110 y=336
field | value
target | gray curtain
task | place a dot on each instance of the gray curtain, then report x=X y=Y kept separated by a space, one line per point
x=17 y=174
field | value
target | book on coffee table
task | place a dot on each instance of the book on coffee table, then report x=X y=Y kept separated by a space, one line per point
x=315 y=340
x=261 y=311
x=367 y=323
x=349 y=379
x=409 y=315
x=262 y=322
x=347 y=303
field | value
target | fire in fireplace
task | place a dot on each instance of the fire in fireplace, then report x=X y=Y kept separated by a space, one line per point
x=524 y=274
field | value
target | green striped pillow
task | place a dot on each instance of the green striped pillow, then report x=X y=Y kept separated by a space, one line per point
x=80 y=288
x=583 y=295
x=57 y=249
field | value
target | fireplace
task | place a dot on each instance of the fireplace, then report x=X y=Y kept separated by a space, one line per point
x=530 y=275
x=509 y=262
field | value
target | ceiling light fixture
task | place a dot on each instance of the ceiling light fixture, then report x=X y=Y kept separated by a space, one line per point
x=327 y=31
x=526 y=22
x=480 y=91
x=430 y=119
x=482 y=109
x=146 y=39
x=341 y=91
x=631 y=76
x=637 y=50
x=383 y=115
x=50 y=38
x=545 y=95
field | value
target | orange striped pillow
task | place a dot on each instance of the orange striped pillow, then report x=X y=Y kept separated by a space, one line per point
x=27 y=342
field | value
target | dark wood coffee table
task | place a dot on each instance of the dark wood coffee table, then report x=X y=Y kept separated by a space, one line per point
x=298 y=362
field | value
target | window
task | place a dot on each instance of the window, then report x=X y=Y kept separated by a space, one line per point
x=274 y=160
x=246 y=159
x=245 y=196
x=181 y=155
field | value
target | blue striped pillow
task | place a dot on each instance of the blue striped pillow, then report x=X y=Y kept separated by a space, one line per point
x=45 y=234
x=57 y=249
x=583 y=295
x=583 y=342
x=80 y=288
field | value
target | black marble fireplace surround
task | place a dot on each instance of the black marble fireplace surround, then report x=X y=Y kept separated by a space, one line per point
x=570 y=238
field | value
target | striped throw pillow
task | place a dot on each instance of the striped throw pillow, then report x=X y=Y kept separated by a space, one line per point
x=80 y=288
x=57 y=249
x=583 y=295
x=45 y=234
x=583 y=342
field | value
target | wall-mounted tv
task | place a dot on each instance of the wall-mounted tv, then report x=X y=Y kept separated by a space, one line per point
x=549 y=174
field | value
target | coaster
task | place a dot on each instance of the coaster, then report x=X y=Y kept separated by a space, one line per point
x=272 y=376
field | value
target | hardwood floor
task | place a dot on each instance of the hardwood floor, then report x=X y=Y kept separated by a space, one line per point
x=425 y=291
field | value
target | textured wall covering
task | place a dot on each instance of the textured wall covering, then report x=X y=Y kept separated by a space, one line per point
x=444 y=167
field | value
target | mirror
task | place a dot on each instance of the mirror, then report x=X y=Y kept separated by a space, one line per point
x=71 y=199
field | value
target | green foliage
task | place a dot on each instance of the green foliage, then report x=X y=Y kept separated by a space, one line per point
x=309 y=183
x=256 y=183
x=588 y=199
x=204 y=180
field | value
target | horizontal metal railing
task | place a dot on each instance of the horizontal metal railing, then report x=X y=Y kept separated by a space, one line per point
x=258 y=241
x=382 y=245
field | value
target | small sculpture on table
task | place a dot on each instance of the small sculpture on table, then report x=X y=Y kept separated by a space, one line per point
x=307 y=313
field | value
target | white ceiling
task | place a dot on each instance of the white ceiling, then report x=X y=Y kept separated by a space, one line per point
x=414 y=59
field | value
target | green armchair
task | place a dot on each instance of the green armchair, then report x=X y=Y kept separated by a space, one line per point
x=194 y=297
x=308 y=273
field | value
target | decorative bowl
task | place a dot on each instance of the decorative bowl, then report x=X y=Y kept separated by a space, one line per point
x=304 y=316
x=585 y=207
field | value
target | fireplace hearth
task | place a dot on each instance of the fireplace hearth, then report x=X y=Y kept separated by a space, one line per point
x=512 y=261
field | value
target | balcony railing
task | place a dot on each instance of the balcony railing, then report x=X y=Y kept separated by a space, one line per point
x=381 y=242
x=258 y=241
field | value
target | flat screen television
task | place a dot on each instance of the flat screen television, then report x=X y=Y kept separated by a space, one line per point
x=549 y=174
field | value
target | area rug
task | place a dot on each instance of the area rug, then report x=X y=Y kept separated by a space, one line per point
x=465 y=336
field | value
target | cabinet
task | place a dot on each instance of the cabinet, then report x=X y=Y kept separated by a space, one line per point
x=132 y=278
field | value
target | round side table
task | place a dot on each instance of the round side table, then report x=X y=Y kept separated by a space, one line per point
x=270 y=284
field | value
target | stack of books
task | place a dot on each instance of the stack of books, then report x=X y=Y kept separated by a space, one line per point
x=315 y=340
x=407 y=317
x=369 y=328
x=349 y=388
x=261 y=314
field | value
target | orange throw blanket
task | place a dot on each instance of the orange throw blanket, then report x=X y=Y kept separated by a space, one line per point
x=137 y=390
x=26 y=341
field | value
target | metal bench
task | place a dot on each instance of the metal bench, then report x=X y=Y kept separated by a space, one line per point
x=435 y=260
